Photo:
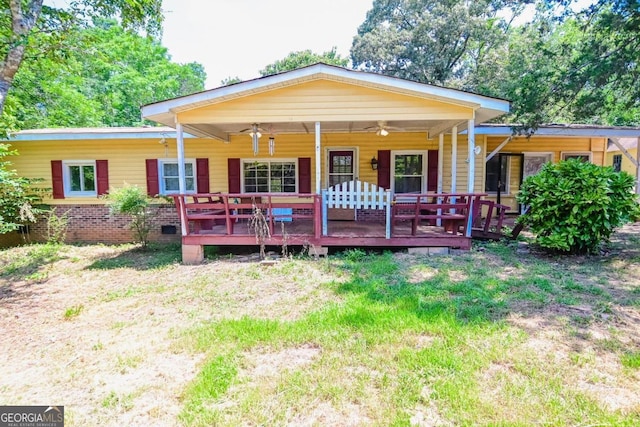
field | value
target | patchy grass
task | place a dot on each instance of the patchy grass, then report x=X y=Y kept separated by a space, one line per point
x=73 y=311
x=495 y=336
x=413 y=340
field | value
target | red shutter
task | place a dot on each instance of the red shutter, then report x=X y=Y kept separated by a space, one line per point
x=153 y=184
x=102 y=173
x=56 y=179
x=202 y=174
x=384 y=169
x=233 y=175
x=432 y=170
x=304 y=175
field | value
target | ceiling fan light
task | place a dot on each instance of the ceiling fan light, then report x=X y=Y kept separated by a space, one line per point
x=383 y=132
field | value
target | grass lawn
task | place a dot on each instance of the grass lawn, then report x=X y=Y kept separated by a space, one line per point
x=495 y=336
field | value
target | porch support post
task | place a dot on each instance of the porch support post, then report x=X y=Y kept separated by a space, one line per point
x=638 y=165
x=440 y=174
x=471 y=146
x=440 y=162
x=454 y=157
x=318 y=159
x=181 y=170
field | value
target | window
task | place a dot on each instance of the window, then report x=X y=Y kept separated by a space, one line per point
x=617 y=162
x=80 y=178
x=168 y=176
x=341 y=166
x=265 y=176
x=409 y=172
x=582 y=156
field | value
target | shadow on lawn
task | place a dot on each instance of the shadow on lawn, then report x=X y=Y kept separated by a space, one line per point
x=496 y=280
x=138 y=258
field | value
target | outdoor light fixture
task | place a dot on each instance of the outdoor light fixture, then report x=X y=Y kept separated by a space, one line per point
x=272 y=145
x=255 y=134
x=374 y=164
x=383 y=132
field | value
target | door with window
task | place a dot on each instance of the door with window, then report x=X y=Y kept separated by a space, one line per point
x=504 y=174
x=341 y=167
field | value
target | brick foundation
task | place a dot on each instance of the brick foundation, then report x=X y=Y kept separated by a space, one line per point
x=94 y=224
x=372 y=215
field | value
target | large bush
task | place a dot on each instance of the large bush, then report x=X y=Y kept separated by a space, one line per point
x=574 y=206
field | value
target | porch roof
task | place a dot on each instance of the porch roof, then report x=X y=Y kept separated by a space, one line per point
x=219 y=113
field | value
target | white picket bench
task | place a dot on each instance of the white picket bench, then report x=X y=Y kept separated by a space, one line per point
x=356 y=195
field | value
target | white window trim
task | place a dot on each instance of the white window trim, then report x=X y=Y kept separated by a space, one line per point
x=356 y=161
x=161 y=184
x=577 y=153
x=268 y=160
x=66 y=178
x=425 y=156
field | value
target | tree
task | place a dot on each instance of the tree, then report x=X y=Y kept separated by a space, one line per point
x=430 y=41
x=29 y=29
x=564 y=66
x=578 y=67
x=18 y=199
x=303 y=58
x=101 y=84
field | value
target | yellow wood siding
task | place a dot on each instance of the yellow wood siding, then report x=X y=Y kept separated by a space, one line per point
x=325 y=101
x=555 y=145
x=626 y=165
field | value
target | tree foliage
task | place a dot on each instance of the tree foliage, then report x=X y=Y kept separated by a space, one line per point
x=565 y=65
x=574 y=206
x=430 y=41
x=303 y=58
x=18 y=198
x=102 y=82
x=29 y=29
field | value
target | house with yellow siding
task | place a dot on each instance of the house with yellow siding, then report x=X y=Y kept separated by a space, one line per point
x=331 y=156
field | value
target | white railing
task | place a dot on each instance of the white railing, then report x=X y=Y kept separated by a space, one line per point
x=356 y=195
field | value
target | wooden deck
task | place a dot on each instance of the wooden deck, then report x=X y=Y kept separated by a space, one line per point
x=341 y=233
x=417 y=220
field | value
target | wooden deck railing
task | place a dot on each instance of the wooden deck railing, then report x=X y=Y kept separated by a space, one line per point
x=199 y=212
x=454 y=211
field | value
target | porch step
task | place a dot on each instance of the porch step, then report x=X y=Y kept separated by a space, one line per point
x=435 y=250
x=318 y=251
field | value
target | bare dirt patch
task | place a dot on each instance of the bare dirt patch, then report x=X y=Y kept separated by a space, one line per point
x=113 y=362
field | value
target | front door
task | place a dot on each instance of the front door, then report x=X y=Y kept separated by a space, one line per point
x=341 y=168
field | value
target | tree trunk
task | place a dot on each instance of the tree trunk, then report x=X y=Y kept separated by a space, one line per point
x=22 y=22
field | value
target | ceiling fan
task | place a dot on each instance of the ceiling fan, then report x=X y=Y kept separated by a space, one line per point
x=382 y=128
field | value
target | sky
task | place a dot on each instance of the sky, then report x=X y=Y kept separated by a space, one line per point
x=238 y=38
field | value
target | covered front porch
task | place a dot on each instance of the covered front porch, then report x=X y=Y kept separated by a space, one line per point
x=277 y=143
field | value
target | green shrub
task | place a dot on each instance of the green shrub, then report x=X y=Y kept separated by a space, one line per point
x=575 y=206
x=133 y=201
x=57 y=226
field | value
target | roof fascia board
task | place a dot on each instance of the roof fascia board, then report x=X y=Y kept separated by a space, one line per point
x=589 y=132
x=69 y=136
